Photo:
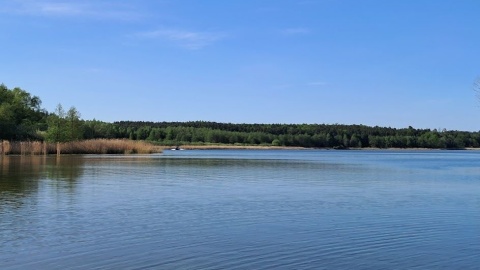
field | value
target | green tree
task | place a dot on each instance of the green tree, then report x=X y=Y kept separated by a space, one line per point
x=354 y=141
x=276 y=142
x=329 y=140
x=64 y=126
x=7 y=121
x=74 y=125
x=346 y=141
x=20 y=114
x=56 y=131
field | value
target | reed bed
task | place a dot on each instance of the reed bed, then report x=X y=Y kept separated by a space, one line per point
x=99 y=146
x=105 y=146
x=26 y=148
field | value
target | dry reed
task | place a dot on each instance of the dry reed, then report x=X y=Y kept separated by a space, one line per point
x=99 y=146
x=24 y=148
x=6 y=147
x=113 y=146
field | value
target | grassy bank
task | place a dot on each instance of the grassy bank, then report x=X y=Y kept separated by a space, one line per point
x=100 y=146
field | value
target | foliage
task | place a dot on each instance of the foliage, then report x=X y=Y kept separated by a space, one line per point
x=20 y=114
x=303 y=135
x=56 y=126
x=64 y=126
x=74 y=126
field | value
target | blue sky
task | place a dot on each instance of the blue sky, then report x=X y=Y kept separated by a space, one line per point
x=394 y=63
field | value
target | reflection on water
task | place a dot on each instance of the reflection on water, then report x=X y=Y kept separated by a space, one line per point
x=242 y=209
x=21 y=174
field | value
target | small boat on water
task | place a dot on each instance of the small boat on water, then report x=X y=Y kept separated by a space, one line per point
x=177 y=148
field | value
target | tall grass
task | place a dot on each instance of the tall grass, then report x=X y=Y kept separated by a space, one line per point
x=100 y=146
x=23 y=148
x=105 y=146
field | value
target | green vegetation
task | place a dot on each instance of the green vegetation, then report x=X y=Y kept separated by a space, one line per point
x=22 y=119
x=64 y=127
x=20 y=114
x=300 y=135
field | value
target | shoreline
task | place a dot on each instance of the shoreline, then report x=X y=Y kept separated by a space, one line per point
x=123 y=146
x=237 y=147
x=265 y=147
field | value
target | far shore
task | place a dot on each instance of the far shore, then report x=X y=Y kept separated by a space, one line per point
x=233 y=147
x=267 y=147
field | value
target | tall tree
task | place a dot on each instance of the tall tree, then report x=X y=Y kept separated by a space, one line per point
x=64 y=126
x=56 y=131
x=20 y=114
x=74 y=128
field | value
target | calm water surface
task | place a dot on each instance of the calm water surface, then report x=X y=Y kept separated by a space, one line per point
x=243 y=209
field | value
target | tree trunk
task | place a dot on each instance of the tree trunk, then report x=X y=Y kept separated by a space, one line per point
x=58 y=149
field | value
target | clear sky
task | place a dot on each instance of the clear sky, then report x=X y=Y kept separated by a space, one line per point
x=394 y=63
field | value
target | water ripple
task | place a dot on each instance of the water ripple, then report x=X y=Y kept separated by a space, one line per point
x=242 y=210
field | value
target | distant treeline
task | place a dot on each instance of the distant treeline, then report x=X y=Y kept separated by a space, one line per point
x=22 y=119
x=303 y=135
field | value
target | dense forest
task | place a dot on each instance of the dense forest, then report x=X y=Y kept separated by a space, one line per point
x=22 y=118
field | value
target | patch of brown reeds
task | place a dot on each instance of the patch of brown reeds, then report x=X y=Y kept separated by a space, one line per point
x=25 y=148
x=5 y=147
x=98 y=146
x=109 y=146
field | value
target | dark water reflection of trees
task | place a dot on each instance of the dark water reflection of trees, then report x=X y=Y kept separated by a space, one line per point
x=22 y=176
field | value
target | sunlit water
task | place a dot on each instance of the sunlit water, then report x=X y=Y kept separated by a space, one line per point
x=242 y=210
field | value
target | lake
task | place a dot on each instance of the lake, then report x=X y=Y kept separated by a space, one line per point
x=242 y=209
